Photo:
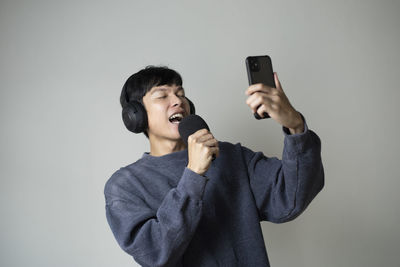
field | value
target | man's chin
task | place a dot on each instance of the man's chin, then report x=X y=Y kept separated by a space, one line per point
x=172 y=131
x=175 y=134
x=174 y=126
x=169 y=132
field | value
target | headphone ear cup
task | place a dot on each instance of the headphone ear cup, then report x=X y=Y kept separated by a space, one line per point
x=134 y=117
x=192 y=108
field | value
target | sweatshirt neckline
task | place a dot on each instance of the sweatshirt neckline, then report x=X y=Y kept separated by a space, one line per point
x=172 y=155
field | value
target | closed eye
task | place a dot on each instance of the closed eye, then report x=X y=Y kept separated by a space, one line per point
x=161 y=96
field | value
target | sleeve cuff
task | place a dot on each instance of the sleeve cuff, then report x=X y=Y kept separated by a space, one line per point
x=296 y=143
x=192 y=183
x=286 y=130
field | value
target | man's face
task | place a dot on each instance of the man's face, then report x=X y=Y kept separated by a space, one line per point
x=161 y=103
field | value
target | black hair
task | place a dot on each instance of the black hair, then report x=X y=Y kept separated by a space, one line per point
x=141 y=82
x=138 y=84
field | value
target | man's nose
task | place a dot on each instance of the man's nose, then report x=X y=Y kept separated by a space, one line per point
x=176 y=101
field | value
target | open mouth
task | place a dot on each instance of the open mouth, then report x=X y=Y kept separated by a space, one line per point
x=176 y=118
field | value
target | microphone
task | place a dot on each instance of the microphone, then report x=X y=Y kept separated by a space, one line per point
x=191 y=124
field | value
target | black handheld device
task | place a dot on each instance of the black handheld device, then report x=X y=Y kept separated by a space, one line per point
x=259 y=70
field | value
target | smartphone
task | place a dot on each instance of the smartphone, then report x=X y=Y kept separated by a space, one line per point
x=259 y=70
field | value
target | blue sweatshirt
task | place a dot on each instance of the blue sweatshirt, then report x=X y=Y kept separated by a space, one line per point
x=164 y=214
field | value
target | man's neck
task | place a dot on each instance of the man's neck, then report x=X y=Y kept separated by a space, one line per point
x=162 y=147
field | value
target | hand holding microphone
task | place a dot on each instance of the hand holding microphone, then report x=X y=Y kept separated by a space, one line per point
x=202 y=146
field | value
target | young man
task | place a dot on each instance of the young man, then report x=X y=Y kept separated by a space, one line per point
x=176 y=206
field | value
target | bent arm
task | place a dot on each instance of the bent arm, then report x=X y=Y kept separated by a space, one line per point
x=156 y=238
x=284 y=188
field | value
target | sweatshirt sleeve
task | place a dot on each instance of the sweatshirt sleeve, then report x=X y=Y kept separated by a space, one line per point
x=284 y=188
x=154 y=238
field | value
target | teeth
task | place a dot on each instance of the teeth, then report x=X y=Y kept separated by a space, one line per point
x=177 y=115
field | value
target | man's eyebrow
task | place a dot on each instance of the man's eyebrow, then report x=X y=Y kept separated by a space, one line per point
x=158 y=89
x=180 y=88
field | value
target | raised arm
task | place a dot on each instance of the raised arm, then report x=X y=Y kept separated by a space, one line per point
x=284 y=188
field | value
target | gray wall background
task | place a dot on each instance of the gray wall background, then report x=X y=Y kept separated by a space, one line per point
x=63 y=64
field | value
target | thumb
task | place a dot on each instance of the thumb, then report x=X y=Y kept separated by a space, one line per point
x=277 y=82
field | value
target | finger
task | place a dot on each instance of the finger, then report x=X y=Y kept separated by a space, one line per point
x=197 y=135
x=258 y=87
x=214 y=151
x=277 y=82
x=200 y=132
x=255 y=104
x=205 y=138
x=257 y=97
x=264 y=100
x=251 y=98
x=211 y=143
x=261 y=109
x=253 y=87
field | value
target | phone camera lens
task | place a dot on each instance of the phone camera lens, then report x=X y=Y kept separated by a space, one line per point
x=254 y=65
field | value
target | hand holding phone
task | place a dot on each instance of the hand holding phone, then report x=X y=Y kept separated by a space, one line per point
x=259 y=70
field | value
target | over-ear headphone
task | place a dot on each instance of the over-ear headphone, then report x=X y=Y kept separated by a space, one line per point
x=134 y=114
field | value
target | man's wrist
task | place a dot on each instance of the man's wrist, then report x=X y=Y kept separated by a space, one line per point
x=299 y=125
x=194 y=170
x=296 y=130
